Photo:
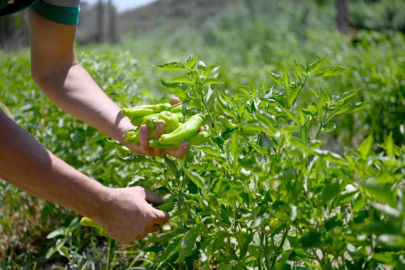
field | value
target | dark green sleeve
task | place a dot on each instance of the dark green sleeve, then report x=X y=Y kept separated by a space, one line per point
x=60 y=11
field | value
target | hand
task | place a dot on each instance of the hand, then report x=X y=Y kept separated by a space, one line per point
x=128 y=216
x=145 y=149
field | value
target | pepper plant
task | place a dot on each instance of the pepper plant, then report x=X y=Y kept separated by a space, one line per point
x=265 y=192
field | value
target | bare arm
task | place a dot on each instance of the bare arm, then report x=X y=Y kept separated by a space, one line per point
x=124 y=213
x=58 y=74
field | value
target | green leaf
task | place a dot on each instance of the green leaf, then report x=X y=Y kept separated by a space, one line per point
x=365 y=146
x=389 y=146
x=286 y=79
x=379 y=192
x=171 y=165
x=311 y=239
x=392 y=241
x=170 y=250
x=330 y=156
x=320 y=104
x=182 y=79
x=353 y=107
x=314 y=67
x=329 y=192
x=188 y=243
x=191 y=61
x=276 y=78
x=292 y=96
x=345 y=95
x=195 y=178
x=225 y=267
x=245 y=247
x=329 y=127
x=281 y=263
x=387 y=210
x=291 y=115
x=208 y=149
x=171 y=66
x=57 y=232
x=210 y=81
x=331 y=71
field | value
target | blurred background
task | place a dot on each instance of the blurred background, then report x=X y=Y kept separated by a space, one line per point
x=119 y=41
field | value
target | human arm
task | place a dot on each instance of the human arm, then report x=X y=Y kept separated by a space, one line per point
x=124 y=213
x=58 y=74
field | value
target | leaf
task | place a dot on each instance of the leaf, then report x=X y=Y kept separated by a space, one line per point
x=387 y=210
x=380 y=192
x=291 y=115
x=171 y=165
x=345 y=95
x=171 y=66
x=188 y=243
x=330 y=156
x=311 y=239
x=57 y=232
x=245 y=247
x=329 y=192
x=170 y=250
x=329 y=127
x=393 y=241
x=276 y=78
x=293 y=95
x=181 y=79
x=331 y=71
x=365 y=146
x=195 y=178
x=281 y=263
x=314 y=67
x=208 y=149
x=353 y=107
x=321 y=101
x=286 y=79
x=191 y=61
x=210 y=81
x=389 y=146
x=225 y=267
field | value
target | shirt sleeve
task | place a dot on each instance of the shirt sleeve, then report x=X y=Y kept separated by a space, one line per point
x=60 y=11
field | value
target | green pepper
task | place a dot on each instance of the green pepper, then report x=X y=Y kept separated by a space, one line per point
x=144 y=110
x=89 y=222
x=199 y=138
x=196 y=139
x=226 y=123
x=183 y=132
x=171 y=121
x=167 y=205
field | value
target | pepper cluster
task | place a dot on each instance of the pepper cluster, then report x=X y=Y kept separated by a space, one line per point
x=176 y=130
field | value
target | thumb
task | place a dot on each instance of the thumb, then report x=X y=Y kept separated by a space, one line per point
x=152 y=197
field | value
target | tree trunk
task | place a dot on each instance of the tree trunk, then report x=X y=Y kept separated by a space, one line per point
x=112 y=22
x=342 y=17
x=100 y=22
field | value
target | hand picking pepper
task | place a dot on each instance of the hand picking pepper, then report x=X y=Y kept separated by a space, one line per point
x=183 y=132
x=170 y=119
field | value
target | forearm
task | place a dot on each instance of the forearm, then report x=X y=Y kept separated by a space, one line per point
x=72 y=89
x=25 y=163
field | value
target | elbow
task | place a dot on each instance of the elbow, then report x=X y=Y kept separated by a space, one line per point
x=46 y=78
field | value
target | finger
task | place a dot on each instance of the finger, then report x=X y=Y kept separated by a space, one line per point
x=179 y=152
x=152 y=197
x=141 y=236
x=160 y=130
x=144 y=140
x=154 y=228
x=174 y=100
x=162 y=217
